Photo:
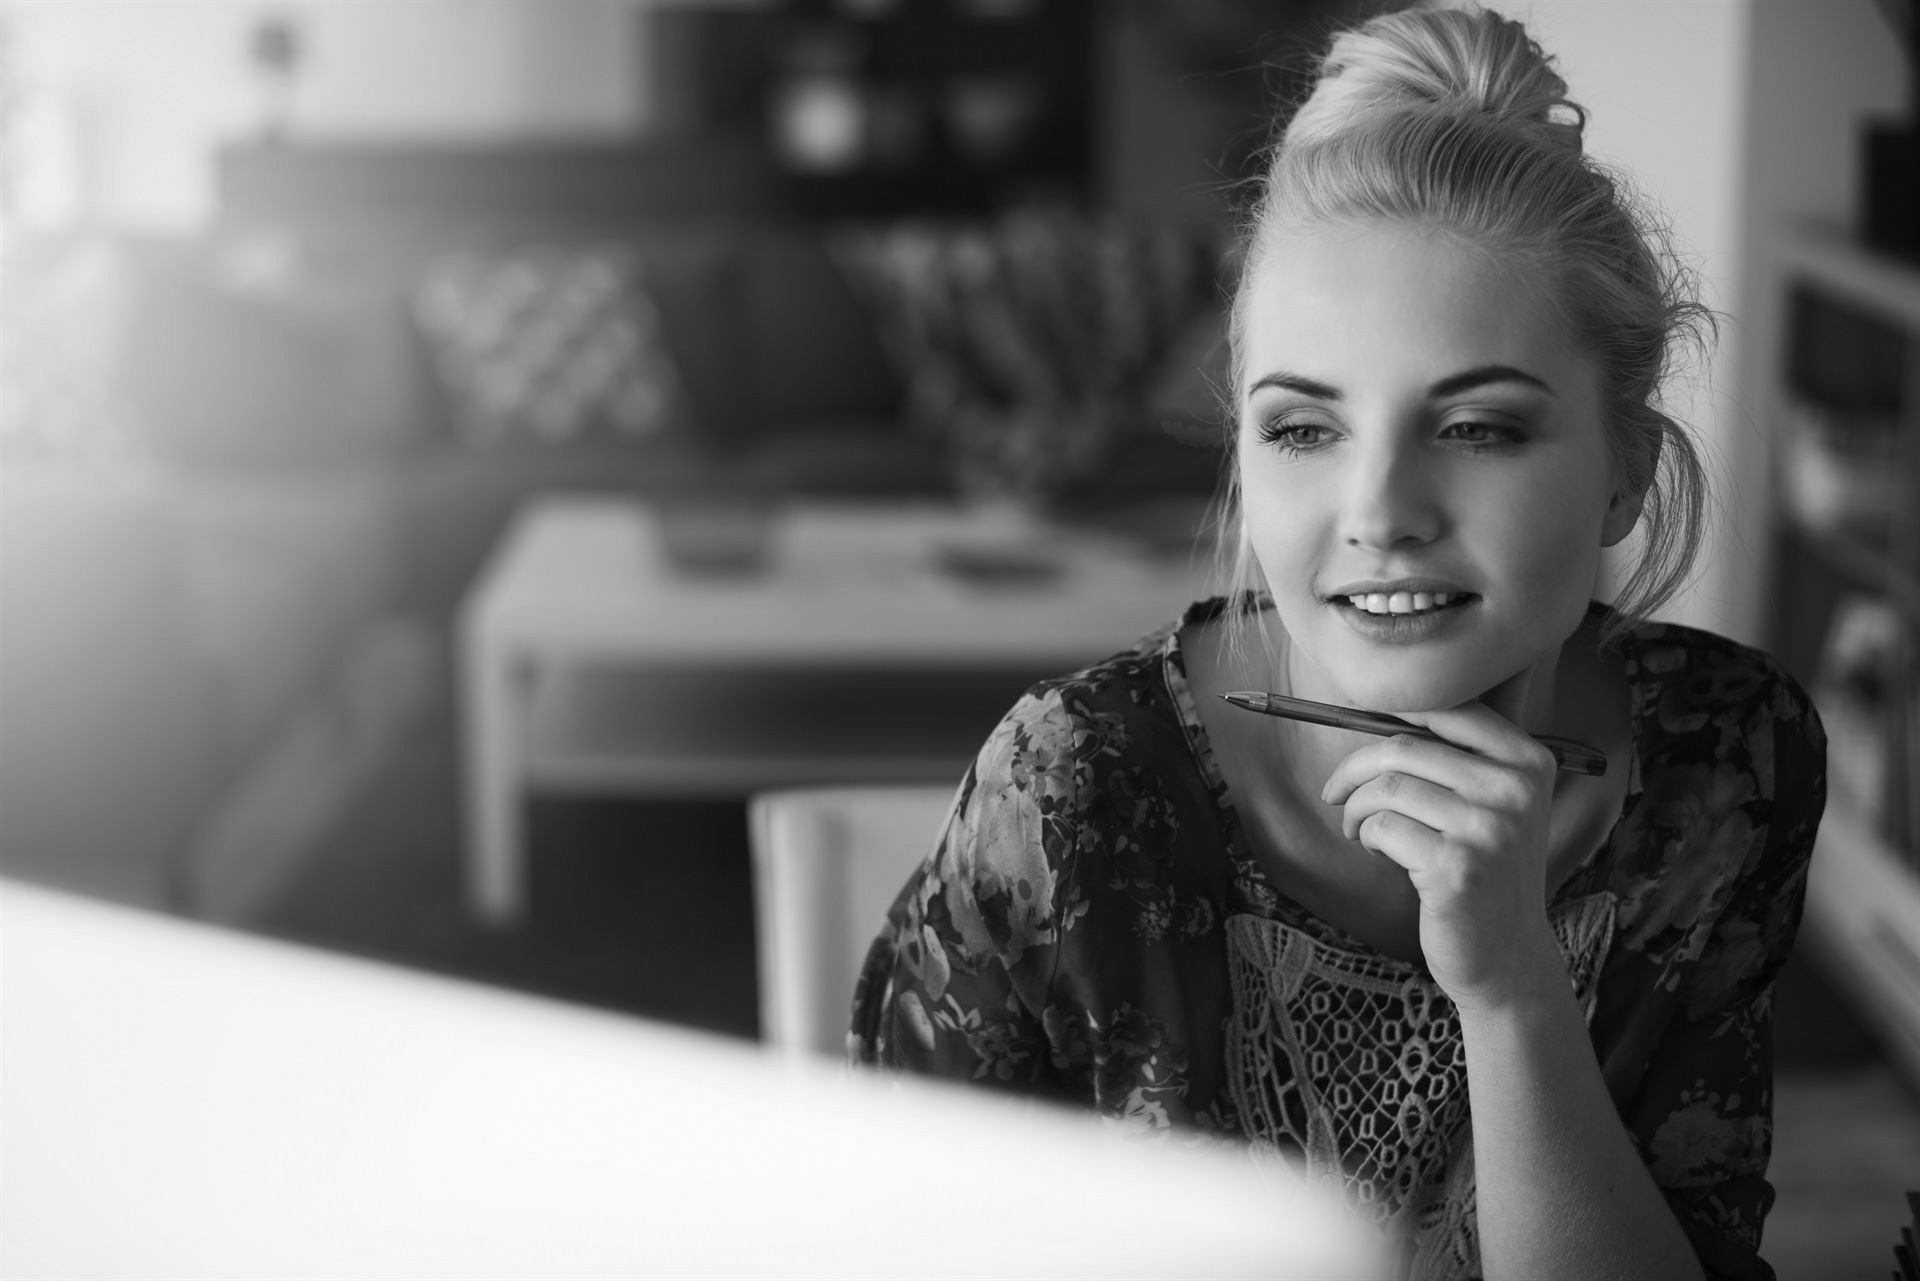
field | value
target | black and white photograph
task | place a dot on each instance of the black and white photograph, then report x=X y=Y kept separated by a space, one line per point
x=960 y=639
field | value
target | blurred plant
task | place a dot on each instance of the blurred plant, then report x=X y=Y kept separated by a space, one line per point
x=1028 y=344
x=276 y=51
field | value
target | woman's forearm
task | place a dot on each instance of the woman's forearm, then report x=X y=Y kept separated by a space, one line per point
x=1562 y=1192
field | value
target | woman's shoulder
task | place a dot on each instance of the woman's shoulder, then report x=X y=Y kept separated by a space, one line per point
x=1044 y=784
x=1732 y=760
x=1129 y=685
x=1693 y=681
x=1733 y=767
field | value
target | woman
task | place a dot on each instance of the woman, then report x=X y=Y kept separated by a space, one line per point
x=1450 y=335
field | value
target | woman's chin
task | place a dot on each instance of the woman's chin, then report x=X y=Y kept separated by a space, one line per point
x=1327 y=670
x=1413 y=703
x=1424 y=694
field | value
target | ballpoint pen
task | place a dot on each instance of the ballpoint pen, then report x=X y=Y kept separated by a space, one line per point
x=1572 y=757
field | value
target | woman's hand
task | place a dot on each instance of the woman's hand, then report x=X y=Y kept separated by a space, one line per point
x=1468 y=820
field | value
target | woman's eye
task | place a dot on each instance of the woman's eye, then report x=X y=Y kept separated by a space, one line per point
x=1294 y=436
x=1481 y=433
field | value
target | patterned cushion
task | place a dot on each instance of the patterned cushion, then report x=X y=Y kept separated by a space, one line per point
x=545 y=343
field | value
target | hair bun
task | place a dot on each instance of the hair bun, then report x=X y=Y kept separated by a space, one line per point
x=1464 y=61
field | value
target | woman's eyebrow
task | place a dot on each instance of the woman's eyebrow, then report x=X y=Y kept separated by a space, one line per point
x=1294 y=382
x=1454 y=384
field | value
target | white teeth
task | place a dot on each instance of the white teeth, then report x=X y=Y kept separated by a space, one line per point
x=1400 y=602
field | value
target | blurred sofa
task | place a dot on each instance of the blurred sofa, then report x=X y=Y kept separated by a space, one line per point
x=665 y=360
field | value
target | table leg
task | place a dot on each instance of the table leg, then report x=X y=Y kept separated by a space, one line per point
x=494 y=703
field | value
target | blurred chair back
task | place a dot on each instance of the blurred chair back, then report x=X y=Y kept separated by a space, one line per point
x=827 y=863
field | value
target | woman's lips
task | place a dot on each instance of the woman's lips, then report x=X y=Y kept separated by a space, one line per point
x=1413 y=622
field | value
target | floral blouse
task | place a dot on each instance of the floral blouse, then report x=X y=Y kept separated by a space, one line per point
x=1091 y=928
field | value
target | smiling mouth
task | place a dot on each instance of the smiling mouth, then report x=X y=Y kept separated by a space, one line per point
x=1403 y=604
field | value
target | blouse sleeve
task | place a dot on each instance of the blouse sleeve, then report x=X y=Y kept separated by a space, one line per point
x=1703 y=1118
x=955 y=984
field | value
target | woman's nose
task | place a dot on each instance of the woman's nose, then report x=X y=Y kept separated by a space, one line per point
x=1388 y=501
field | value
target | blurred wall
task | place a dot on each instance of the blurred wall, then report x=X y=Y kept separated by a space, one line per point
x=146 y=88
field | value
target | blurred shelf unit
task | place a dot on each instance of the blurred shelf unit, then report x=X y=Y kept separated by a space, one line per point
x=1845 y=601
x=881 y=108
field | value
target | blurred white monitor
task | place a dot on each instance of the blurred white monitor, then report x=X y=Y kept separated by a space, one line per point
x=181 y=1101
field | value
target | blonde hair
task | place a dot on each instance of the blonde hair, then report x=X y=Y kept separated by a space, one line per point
x=1455 y=119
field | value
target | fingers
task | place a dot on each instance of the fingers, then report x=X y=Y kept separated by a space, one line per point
x=1445 y=792
x=1485 y=758
x=1426 y=802
x=1407 y=841
x=1479 y=729
x=1444 y=764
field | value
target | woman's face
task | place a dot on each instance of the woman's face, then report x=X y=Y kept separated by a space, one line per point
x=1426 y=476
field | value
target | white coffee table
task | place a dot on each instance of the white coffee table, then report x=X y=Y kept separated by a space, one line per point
x=877 y=643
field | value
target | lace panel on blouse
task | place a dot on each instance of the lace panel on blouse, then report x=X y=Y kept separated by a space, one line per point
x=1350 y=1064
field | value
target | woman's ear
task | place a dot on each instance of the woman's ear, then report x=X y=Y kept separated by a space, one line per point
x=1630 y=487
x=1623 y=513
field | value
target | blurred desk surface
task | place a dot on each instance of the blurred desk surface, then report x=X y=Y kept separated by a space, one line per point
x=706 y=650
x=181 y=1101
